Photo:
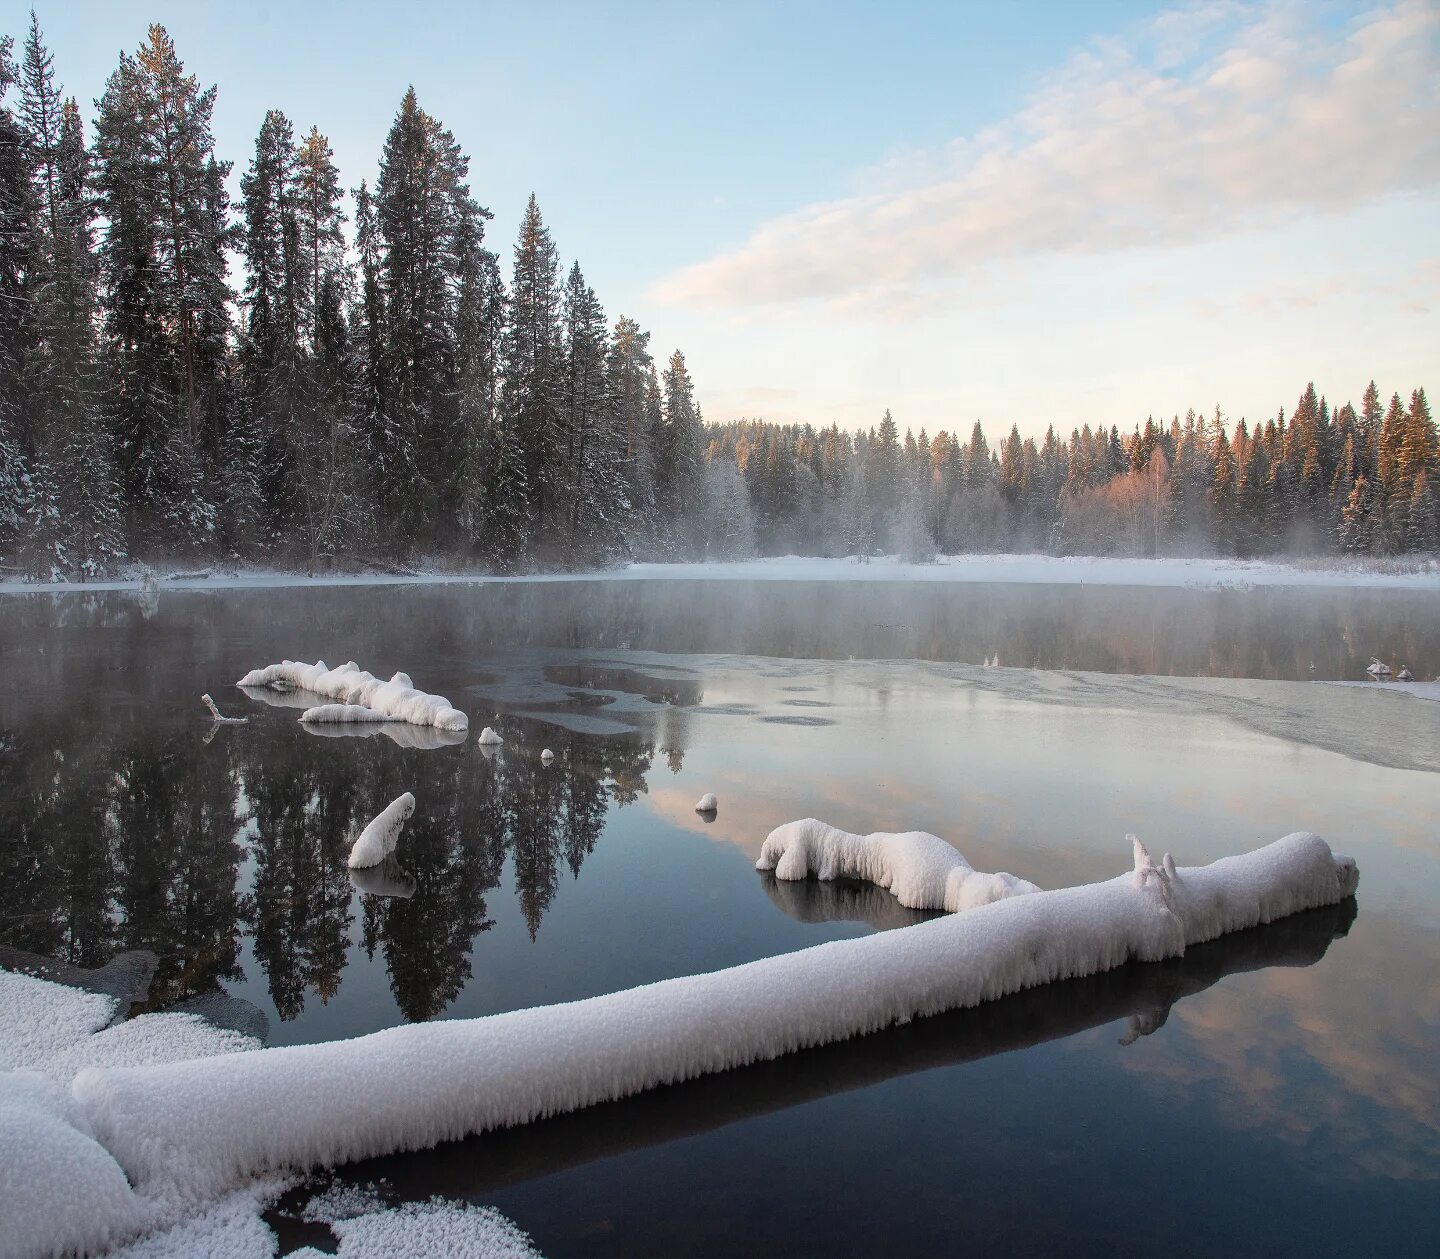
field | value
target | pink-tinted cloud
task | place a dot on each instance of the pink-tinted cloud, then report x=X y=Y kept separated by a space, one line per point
x=1212 y=120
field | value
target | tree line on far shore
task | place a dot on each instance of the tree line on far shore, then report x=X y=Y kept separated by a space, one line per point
x=392 y=396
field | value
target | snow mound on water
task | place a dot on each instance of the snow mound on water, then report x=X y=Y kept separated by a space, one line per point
x=922 y=870
x=706 y=803
x=377 y=841
x=200 y=1126
x=488 y=738
x=397 y=699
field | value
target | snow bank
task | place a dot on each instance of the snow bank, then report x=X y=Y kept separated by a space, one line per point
x=706 y=803
x=922 y=870
x=422 y=1230
x=397 y=699
x=377 y=841
x=489 y=739
x=60 y=1190
x=202 y=1125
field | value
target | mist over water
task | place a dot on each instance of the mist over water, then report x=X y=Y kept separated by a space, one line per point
x=1286 y=1074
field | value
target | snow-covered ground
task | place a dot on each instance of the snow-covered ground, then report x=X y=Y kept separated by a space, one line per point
x=1033 y=569
x=61 y=1191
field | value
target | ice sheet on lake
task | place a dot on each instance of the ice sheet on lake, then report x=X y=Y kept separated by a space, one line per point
x=397 y=699
x=920 y=869
x=195 y=1126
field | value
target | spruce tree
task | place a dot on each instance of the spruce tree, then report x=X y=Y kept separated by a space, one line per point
x=77 y=507
x=593 y=442
x=161 y=193
x=685 y=447
x=531 y=377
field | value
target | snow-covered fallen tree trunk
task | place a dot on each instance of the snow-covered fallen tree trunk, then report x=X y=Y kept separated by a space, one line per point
x=397 y=699
x=200 y=1126
x=377 y=841
x=922 y=870
x=218 y=717
x=341 y=714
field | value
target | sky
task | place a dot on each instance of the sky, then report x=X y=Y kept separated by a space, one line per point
x=1039 y=213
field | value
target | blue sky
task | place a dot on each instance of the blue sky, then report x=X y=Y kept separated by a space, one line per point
x=1031 y=213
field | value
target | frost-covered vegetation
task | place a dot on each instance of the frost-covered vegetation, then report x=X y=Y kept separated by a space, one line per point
x=183 y=376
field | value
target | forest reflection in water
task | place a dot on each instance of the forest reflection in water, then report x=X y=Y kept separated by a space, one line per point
x=184 y=848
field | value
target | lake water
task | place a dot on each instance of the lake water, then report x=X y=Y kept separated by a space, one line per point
x=1275 y=1092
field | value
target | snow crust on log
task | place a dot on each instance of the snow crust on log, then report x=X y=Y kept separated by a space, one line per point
x=377 y=841
x=706 y=803
x=201 y=1126
x=922 y=870
x=218 y=717
x=489 y=739
x=397 y=699
x=341 y=714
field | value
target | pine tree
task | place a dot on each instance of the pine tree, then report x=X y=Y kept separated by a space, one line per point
x=424 y=212
x=628 y=371
x=77 y=505
x=161 y=193
x=531 y=382
x=270 y=351
x=685 y=446
x=1222 y=495
x=16 y=217
x=479 y=327
x=593 y=443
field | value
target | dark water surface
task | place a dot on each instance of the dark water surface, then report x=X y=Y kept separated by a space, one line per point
x=1275 y=1092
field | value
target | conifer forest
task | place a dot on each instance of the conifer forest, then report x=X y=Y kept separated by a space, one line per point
x=277 y=381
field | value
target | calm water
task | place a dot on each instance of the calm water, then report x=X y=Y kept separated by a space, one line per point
x=1274 y=1092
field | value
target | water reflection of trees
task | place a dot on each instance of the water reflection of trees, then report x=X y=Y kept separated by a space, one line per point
x=158 y=841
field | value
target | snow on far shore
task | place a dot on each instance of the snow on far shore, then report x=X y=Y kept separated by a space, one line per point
x=1063 y=570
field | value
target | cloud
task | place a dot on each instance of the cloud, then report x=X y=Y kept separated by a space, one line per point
x=1210 y=120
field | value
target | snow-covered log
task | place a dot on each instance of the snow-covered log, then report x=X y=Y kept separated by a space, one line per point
x=341 y=714
x=400 y=733
x=377 y=841
x=218 y=717
x=397 y=699
x=198 y=1126
x=922 y=870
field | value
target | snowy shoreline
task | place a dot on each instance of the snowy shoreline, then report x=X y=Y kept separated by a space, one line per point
x=1179 y=572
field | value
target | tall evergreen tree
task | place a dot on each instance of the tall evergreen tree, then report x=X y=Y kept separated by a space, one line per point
x=160 y=192
x=593 y=443
x=531 y=386
x=81 y=528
